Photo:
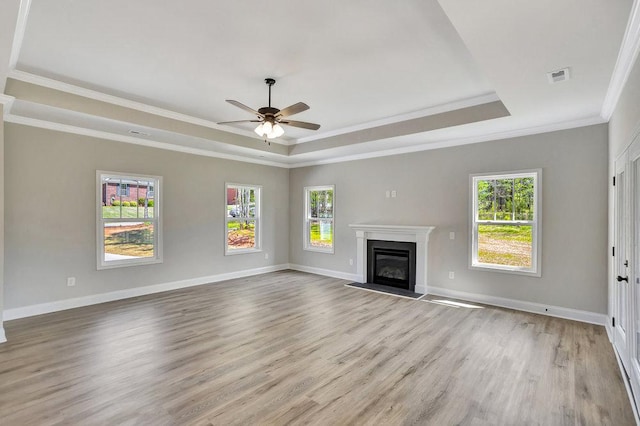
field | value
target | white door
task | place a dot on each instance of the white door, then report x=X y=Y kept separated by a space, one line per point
x=633 y=333
x=621 y=285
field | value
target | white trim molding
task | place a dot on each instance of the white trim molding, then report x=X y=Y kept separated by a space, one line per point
x=58 y=127
x=438 y=109
x=325 y=272
x=3 y=337
x=18 y=35
x=627 y=56
x=418 y=234
x=61 y=305
x=123 y=102
x=521 y=305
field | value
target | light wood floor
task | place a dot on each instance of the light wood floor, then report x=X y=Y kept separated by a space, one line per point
x=290 y=347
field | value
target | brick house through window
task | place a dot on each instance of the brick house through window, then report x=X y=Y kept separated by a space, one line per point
x=126 y=191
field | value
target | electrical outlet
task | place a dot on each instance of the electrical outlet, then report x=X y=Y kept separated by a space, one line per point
x=393 y=194
x=266 y=256
x=71 y=281
x=387 y=194
x=351 y=262
x=452 y=235
x=452 y=275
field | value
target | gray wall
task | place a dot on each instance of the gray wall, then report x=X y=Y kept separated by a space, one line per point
x=51 y=215
x=433 y=189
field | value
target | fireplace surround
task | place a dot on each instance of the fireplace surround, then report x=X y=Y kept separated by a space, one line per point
x=404 y=233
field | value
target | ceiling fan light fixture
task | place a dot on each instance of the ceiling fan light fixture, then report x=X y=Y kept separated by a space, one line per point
x=267 y=127
x=269 y=117
x=276 y=132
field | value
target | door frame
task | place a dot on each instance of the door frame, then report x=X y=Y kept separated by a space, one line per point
x=622 y=238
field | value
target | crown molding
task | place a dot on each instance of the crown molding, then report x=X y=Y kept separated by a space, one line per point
x=438 y=109
x=291 y=163
x=18 y=35
x=7 y=101
x=446 y=143
x=32 y=122
x=627 y=56
x=138 y=106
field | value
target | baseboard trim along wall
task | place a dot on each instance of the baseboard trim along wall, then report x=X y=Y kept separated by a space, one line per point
x=61 y=305
x=607 y=326
x=325 y=272
x=3 y=337
x=519 y=305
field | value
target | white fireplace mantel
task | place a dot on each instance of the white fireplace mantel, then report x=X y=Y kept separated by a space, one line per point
x=408 y=233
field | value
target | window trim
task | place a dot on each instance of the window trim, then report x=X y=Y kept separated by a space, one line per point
x=536 y=223
x=306 y=245
x=257 y=218
x=157 y=219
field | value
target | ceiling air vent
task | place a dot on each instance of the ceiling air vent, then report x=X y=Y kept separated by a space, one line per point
x=558 y=75
x=138 y=133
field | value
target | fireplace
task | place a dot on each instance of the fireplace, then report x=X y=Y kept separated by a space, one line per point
x=392 y=263
x=418 y=234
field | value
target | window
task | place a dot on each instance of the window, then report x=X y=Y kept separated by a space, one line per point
x=242 y=218
x=123 y=190
x=318 y=224
x=129 y=228
x=506 y=222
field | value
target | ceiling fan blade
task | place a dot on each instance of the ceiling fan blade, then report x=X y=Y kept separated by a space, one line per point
x=240 y=121
x=293 y=109
x=244 y=107
x=302 y=124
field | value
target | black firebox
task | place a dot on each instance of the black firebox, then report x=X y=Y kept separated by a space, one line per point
x=392 y=263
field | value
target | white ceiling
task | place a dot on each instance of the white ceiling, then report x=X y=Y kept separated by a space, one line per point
x=357 y=64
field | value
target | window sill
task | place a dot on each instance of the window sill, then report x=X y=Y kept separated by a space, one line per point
x=319 y=250
x=127 y=263
x=241 y=251
x=505 y=270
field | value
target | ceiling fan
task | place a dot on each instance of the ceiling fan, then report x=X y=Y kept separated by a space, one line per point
x=271 y=118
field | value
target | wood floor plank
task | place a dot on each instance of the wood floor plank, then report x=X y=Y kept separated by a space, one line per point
x=296 y=348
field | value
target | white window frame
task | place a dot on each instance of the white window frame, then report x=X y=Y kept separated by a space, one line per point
x=536 y=223
x=307 y=219
x=100 y=221
x=257 y=219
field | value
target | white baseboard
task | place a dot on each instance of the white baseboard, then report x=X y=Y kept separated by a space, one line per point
x=3 y=337
x=627 y=384
x=607 y=327
x=61 y=305
x=325 y=272
x=554 y=311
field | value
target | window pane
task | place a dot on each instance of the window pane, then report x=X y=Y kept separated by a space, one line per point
x=504 y=199
x=321 y=204
x=486 y=207
x=523 y=198
x=321 y=233
x=241 y=234
x=128 y=240
x=117 y=204
x=241 y=202
x=508 y=245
